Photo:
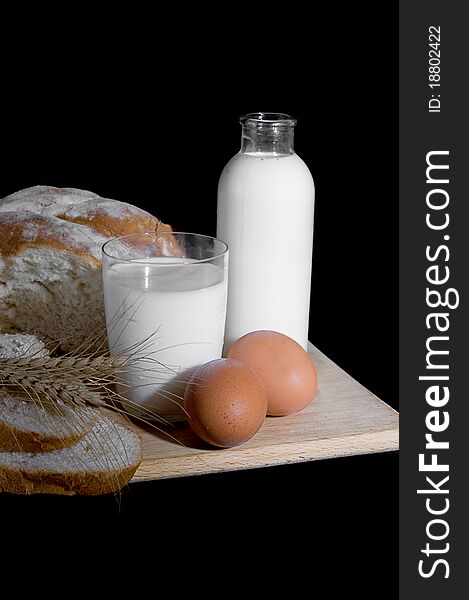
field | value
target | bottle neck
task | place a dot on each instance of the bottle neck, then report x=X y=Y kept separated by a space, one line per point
x=267 y=133
x=267 y=139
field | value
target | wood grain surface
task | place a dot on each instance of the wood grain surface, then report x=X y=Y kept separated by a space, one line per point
x=343 y=419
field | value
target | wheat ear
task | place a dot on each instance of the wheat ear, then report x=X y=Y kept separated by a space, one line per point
x=71 y=380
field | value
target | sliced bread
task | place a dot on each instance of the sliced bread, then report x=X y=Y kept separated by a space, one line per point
x=27 y=426
x=102 y=462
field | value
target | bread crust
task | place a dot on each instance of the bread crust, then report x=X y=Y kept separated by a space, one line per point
x=14 y=439
x=68 y=219
x=27 y=482
x=20 y=231
x=50 y=248
x=109 y=217
x=26 y=479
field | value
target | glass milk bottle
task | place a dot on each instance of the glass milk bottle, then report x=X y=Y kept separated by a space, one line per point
x=265 y=215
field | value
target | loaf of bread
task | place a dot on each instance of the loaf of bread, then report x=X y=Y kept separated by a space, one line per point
x=101 y=462
x=51 y=287
x=26 y=426
x=50 y=259
x=57 y=448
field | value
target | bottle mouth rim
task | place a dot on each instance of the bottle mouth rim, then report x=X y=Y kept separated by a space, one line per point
x=258 y=119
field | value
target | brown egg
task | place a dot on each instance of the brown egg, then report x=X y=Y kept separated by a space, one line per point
x=286 y=369
x=226 y=402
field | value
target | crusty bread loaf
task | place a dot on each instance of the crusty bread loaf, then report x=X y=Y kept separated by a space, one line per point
x=102 y=462
x=50 y=259
x=108 y=217
x=28 y=427
x=57 y=448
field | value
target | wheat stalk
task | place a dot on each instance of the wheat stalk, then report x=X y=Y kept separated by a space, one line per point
x=71 y=380
x=86 y=376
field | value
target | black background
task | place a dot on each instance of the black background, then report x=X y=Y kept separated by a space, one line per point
x=147 y=112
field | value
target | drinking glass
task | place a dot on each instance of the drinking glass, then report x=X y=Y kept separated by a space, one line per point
x=165 y=302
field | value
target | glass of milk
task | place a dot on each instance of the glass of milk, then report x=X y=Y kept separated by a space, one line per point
x=165 y=299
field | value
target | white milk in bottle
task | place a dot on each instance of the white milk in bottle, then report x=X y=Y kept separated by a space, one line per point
x=265 y=215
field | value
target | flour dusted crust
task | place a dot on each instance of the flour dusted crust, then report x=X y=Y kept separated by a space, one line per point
x=26 y=229
x=21 y=345
x=50 y=259
x=59 y=206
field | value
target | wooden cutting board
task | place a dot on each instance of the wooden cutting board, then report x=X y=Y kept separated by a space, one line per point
x=344 y=419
